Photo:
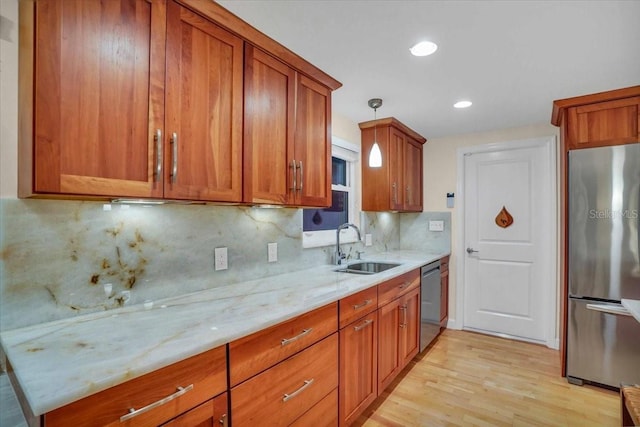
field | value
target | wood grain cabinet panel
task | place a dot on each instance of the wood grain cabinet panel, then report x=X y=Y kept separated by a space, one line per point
x=358 y=367
x=604 y=123
x=212 y=413
x=410 y=326
x=203 y=145
x=389 y=321
x=96 y=98
x=393 y=288
x=444 y=291
x=357 y=305
x=323 y=414
x=202 y=376
x=257 y=352
x=283 y=393
x=397 y=184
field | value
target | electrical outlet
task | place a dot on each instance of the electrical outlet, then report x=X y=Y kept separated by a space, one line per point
x=436 y=225
x=272 y=252
x=368 y=240
x=220 y=258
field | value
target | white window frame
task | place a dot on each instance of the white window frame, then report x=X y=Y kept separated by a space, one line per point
x=351 y=154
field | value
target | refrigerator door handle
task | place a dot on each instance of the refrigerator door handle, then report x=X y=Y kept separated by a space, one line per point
x=617 y=310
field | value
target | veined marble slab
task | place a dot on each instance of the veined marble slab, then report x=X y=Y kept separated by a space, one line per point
x=59 y=362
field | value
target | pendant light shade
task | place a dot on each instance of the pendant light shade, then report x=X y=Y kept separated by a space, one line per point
x=375 y=155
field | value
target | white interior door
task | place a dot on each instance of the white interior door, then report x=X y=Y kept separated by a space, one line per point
x=508 y=270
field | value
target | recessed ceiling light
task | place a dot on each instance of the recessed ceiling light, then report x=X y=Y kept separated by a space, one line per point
x=462 y=104
x=424 y=48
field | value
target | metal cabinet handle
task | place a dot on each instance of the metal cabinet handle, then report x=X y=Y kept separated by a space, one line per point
x=364 y=304
x=293 y=185
x=135 y=412
x=404 y=316
x=286 y=341
x=395 y=193
x=471 y=250
x=223 y=420
x=307 y=383
x=157 y=138
x=404 y=285
x=174 y=168
x=408 y=194
x=301 y=176
x=363 y=325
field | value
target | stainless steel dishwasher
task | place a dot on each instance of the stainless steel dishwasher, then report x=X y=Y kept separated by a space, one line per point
x=430 y=303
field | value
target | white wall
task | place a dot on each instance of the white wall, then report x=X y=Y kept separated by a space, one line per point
x=9 y=104
x=440 y=178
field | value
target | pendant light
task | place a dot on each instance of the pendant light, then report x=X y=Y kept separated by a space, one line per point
x=375 y=155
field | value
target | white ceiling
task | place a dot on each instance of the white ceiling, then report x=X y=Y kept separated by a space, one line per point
x=511 y=58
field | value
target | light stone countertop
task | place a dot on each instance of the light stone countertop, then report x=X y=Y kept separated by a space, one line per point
x=633 y=305
x=59 y=362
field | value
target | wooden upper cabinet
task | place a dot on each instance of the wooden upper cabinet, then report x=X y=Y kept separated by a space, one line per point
x=287 y=134
x=312 y=148
x=203 y=145
x=397 y=185
x=607 y=118
x=91 y=97
x=269 y=112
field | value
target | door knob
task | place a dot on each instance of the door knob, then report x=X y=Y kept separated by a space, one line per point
x=471 y=250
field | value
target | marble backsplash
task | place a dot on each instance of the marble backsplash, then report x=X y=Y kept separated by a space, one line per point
x=59 y=259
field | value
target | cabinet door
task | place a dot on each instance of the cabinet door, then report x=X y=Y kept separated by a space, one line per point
x=412 y=176
x=203 y=148
x=98 y=97
x=389 y=318
x=396 y=172
x=212 y=413
x=444 y=298
x=312 y=150
x=358 y=367
x=376 y=189
x=409 y=327
x=269 y=107
x=604 y=123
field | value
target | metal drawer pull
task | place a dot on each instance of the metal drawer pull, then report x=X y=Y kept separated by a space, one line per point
x=135 y=412
x=307 y=383
x=364 y=304
x=223 y=420
x=286 y=341
x=158 y=140
x=363 y=325
x=404 y=316
x=174 y=169
x=293 y=186
x=404 y=285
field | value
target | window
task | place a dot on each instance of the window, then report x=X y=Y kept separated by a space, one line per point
x=319 y=225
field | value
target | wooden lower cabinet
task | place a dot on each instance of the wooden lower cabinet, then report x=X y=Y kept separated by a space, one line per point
x=211 y=413
x=444 y=291
x=398 y=336
x=202 y=376
x=358 y=367
x=283 y=393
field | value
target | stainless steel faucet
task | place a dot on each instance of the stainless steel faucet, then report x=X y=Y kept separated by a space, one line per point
x=339 y=255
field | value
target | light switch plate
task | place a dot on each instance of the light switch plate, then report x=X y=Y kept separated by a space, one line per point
x=272 y=252
x=220 y=255
x=436 y=225
x=368 y=240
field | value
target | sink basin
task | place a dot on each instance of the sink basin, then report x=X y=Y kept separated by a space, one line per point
x=367 y=267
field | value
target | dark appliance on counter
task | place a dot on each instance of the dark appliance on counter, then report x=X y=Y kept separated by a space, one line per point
x=603 y=340
x=430 y=303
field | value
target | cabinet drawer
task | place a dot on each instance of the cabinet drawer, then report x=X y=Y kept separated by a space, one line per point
x=257 y=352
x=323 y=414
x=202 y=376
x=211 y=413
x=357 y=305
x=281 y=394
x=393 y=288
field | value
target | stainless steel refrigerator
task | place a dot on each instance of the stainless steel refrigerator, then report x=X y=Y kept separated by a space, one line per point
x=603 y=340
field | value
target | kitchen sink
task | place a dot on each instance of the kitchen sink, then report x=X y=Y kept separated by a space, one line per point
x=367 y=267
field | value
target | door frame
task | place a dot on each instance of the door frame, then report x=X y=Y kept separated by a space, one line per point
x=551 y=291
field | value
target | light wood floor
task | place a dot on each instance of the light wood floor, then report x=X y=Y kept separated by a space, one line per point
x=478 y=380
